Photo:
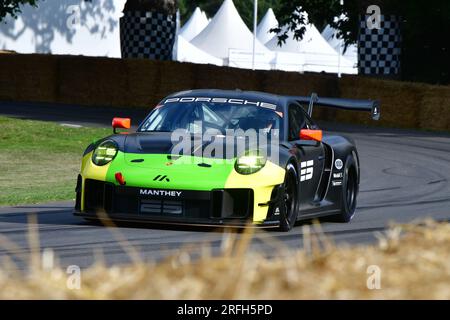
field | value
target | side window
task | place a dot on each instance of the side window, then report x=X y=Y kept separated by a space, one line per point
x=309 y=123
x=296 y=121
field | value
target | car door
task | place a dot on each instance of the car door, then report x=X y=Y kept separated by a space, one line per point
x=310 y=155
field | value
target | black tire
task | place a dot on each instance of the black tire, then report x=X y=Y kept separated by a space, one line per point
x=289 y=203
x=349 y=193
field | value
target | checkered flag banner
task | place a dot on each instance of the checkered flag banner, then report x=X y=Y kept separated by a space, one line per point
x=379 y=49
x=148 y=35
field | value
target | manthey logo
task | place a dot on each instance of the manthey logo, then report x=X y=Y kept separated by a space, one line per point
x=161 y=178
x=307 y=170
x=160 y=193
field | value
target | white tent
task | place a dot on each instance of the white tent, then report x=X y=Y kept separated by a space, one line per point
x=330 y=35
x=268 y=22
x=184 y=51
x=288 y=61
x=196 y=23
x=318 y=55
x=227 y=35
x=206 y=17
x=74 y=27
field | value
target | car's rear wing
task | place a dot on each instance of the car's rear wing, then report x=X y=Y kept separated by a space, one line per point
x=372 y=106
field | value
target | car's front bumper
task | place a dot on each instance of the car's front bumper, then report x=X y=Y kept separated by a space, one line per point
x=222 y=207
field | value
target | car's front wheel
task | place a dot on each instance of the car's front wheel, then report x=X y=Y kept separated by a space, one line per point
x=289 y=202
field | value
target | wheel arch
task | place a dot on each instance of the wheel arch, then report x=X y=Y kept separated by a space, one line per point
x=343 y=148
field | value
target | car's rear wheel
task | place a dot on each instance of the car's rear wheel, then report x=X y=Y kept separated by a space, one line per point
x=349 y=193
x=289 y=202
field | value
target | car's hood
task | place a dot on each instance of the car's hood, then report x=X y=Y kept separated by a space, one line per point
x=148 y=143
x=149 y=161
x=217 y=147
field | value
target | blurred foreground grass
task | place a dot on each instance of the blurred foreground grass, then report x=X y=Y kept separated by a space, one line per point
x=414 y=262
x=39 y=161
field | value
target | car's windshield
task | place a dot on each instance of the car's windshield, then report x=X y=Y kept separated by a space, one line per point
x=201 y=116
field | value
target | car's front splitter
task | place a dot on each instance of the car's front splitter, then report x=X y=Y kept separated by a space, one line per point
x=133 y=218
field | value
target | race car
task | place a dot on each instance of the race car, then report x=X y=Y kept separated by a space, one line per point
x=224 y=158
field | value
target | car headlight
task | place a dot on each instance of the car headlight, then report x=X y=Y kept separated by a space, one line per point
x=250 y=163
x=105 y=153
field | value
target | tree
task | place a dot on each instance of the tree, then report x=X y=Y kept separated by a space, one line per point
x=164 y=6
x=323 y=12
x=244 y=7
x=53 y=18
x=425 y=28
x=12 y=7
x=426 y=48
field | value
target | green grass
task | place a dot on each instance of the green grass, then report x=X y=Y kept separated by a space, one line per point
x=39 y=161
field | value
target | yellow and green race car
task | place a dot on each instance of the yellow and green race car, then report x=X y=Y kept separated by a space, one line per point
x=215 y=157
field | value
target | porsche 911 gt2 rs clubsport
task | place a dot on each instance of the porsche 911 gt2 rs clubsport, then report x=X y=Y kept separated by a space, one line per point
x=215 y=157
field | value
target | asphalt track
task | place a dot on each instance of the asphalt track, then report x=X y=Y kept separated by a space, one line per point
x=405 y=177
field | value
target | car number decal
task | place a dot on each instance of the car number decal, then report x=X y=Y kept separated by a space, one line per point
x=307 y=170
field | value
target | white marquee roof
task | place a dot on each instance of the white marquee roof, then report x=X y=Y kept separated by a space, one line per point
x=196 y=23
x=268 y=22
x=226 y=31
x=319 y=55
x=330 y=35
x=186 y=52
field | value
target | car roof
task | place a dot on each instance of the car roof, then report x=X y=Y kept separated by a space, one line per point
x=232 y=94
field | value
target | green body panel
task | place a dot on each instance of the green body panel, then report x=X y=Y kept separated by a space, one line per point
x=183 y=173
x=158 y=171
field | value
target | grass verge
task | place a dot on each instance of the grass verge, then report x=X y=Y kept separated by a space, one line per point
x=413 y=263
x=39 y=161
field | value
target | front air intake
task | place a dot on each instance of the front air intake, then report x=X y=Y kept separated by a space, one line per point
x=232 y=204
x=161 y=207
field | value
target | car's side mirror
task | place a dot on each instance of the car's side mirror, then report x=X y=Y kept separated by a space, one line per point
x=121 y=123
x=310 y=137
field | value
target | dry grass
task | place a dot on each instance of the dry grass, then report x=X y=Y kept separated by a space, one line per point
x=414 y=262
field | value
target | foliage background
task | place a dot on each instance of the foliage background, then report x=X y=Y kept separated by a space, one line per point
x=425 y=25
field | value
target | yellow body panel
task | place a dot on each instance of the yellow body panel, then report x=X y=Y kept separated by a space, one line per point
x=88 y=169
x=262 y=184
